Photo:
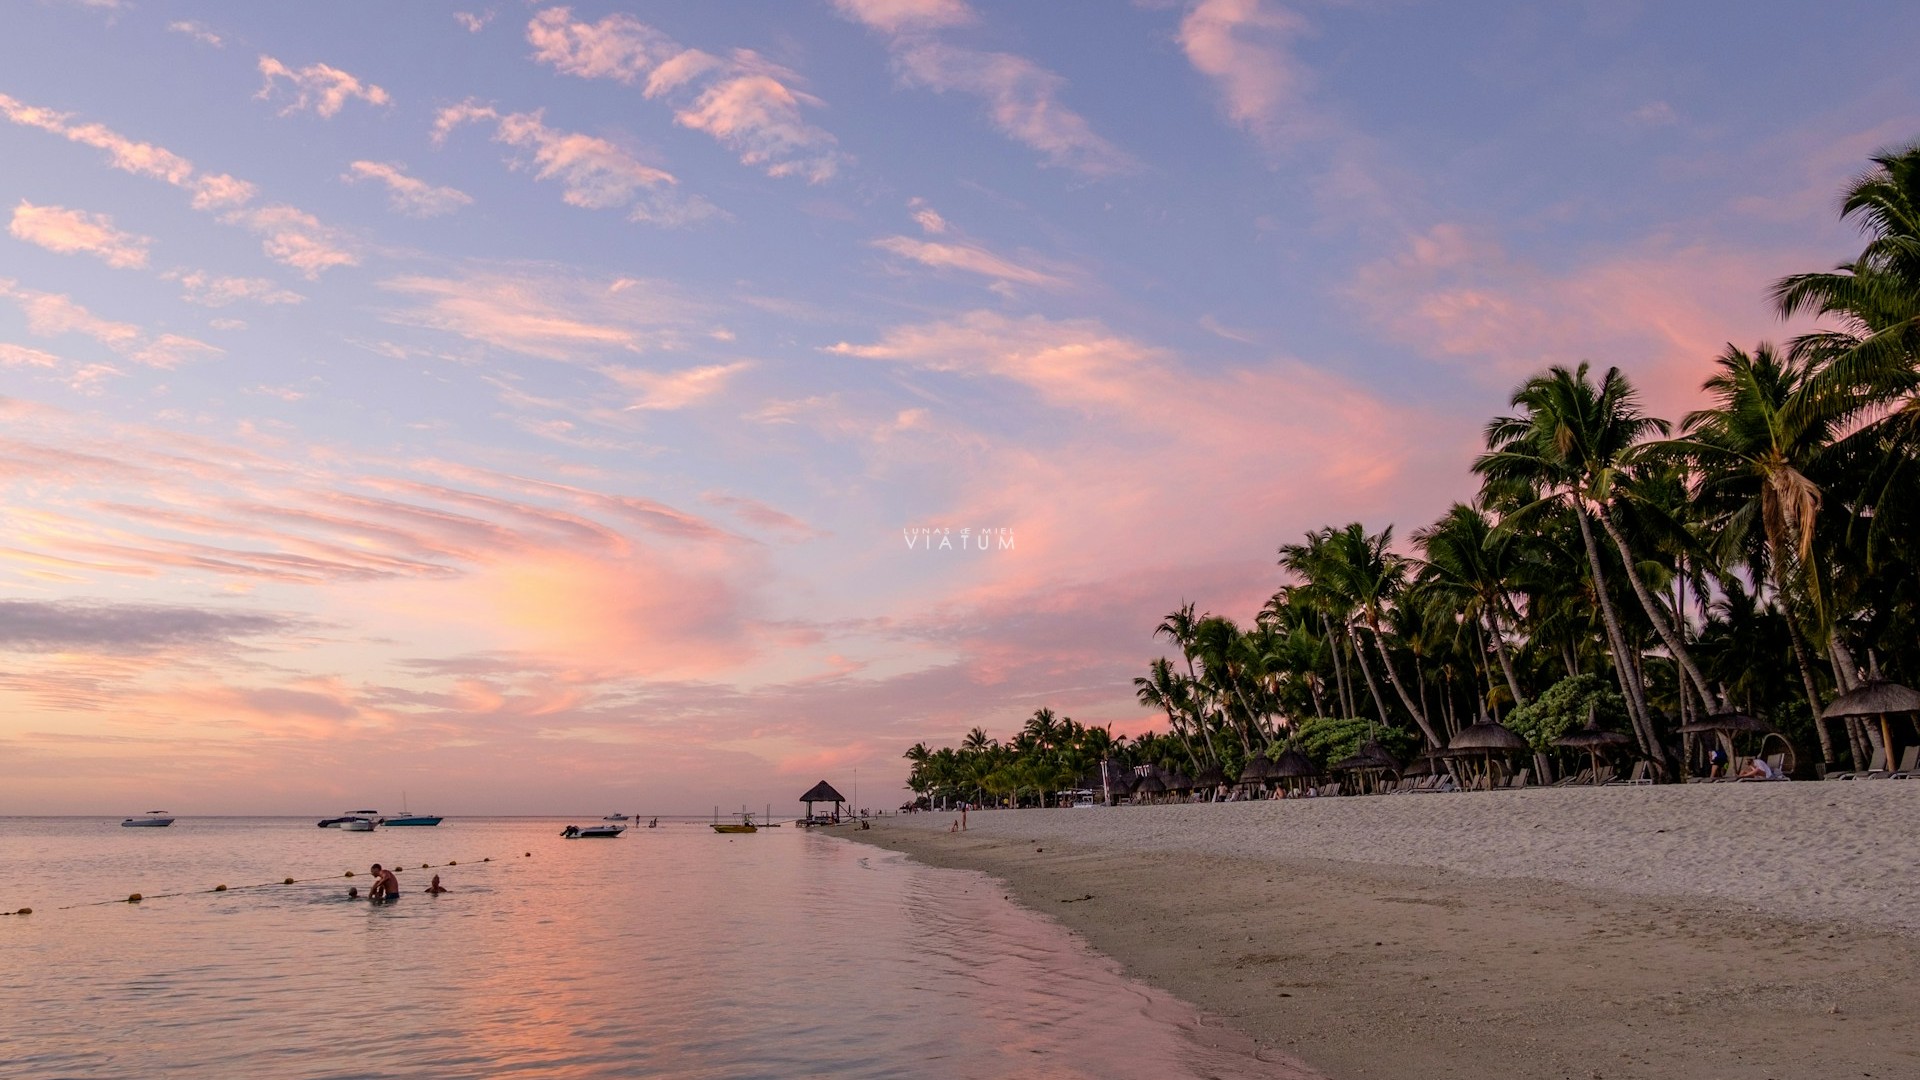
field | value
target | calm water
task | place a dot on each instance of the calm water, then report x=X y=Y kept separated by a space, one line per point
x=667 y=952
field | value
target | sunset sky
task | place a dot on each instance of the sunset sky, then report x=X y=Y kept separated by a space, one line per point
x=529 y=407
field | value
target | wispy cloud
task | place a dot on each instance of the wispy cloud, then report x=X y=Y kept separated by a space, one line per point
x=12 y=355
x=318 y=87
x=967 y=258
x=56 y=314
x=214 y=290
x=747 y=103
x=666 y=390
x=1023 y=100
x=78 y=232
x=407 y=194
x=543 y=312
x=69 y=626
x=593 y=173
x=198 y=32
x=472 y=22
x=287 y=234
x=1244 y=46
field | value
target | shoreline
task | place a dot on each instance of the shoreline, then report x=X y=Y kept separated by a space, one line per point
x=1739 y=931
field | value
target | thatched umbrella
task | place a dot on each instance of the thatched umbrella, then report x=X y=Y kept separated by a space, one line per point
x=1876 y=697
x=1372 y=760
x=1292 y=765
x=1210 y=778
x=1256 y=771
x=1594 y=739
x=1487 y=738
x=1727 y=725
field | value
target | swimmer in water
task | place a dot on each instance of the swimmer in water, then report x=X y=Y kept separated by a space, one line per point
x=436 y=888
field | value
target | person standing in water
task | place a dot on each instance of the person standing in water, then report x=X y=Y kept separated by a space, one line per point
x=385 y=885
x=436 y=888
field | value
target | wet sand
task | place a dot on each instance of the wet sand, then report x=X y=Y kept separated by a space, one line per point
x=1707 y=931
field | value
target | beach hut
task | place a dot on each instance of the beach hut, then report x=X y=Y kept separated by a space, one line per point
x=1876 y=697
x=1594 y=740
x=1487 y=738
x=1149 y=786
x=1210 y=780
x=823 y=792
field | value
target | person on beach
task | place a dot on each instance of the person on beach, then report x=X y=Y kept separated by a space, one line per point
x=1716 y=760
x=436 y=888
x=385 y=885
x=1758 y=769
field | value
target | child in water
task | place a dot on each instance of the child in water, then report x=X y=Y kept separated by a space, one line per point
x=436 y=888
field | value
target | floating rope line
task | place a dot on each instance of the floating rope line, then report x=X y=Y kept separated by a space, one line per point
x=136 y=898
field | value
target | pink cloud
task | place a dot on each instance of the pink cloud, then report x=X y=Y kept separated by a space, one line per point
x=407 y=194
x=323 y=89
x=903 y=16
x=540 y=312
x=214 y=290
x=76 y=231
x=12 y=355
x=197 y=31
x=295 y=238
x=1659 y=310
x=967 y=258
x=593 y=173
x=1242 y=45
x=666 y=390
x=744 y=102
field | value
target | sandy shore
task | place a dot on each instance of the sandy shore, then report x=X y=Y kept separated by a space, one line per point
x=1707 y=931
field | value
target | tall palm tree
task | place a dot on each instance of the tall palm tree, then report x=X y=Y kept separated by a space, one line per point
x=1469 y=567
x=1569 y=446
x=1365 y=573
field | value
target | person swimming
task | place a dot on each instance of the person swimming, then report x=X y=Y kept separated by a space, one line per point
x=436 y=888
x=353 y=892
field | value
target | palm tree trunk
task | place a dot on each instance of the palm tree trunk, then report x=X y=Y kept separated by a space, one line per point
x=1617 y=643
x=1379 y=703
x=1656 y=614
x=1506 y=660
x=1807 y=683
x=1847 y=674
x=1339 y=674
x=1393 y=676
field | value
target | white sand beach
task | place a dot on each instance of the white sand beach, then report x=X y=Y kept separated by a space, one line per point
x=1726 y=930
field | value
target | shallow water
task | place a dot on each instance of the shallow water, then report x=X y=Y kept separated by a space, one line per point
x=666 y=952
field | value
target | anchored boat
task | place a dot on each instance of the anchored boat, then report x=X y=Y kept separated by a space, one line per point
x=592 y=832
x=154 y=819
x=368 y=816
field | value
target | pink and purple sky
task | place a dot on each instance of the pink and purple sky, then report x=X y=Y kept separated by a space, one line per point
x=527 y=407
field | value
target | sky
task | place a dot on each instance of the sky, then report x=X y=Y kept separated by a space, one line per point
x=533 y=408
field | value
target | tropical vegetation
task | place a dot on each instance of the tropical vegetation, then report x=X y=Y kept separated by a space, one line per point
x=1613 y=569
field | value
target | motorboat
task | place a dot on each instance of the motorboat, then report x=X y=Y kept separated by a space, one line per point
x=358 y=824
x=412 y=819
x=616 y=817
x=368 y=816
x=154 y=819
x=592 y=832
x=744 y=825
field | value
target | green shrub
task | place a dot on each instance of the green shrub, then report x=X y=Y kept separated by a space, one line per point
x=1565 y=707
x=1327 y=739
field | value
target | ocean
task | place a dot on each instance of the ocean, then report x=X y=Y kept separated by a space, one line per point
x=669 y=952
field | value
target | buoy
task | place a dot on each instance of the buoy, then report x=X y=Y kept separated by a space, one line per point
x=24 y=911
x=423 y=866
x=219 y=888
x=453 y=862
x=134 y=899
x=349 y=873
x=529 y=854
x=289 y=881
x=487 y=859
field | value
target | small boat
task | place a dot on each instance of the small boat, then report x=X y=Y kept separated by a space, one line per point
x=744 y=825
x=591 y=832
x=616 y=817
x=412 y=819
x=154 y=819
x=356 y=825
x=368 y=816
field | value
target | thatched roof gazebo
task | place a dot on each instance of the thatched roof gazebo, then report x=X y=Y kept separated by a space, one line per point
x=1486 y=738
x=1370 y=762
x=1293 y=765
x=1150 y=785
x=823 y=792
x=1877 y=697
x=1595 y=740
x=1210 y=777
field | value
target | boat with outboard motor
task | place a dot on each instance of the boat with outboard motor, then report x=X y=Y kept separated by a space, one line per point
x=154 y=819
x=368 y=816
x=592 y=832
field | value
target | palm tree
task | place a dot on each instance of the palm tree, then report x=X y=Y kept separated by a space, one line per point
x=1367 y=576
x=1569 y=446
x=1469 y=568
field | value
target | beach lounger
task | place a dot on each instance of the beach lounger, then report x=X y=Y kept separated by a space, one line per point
x=1604 y=776
x=1638 y=776
x=1575 y=779
x=1520 y=778
x=1909 y=765
x=1876 y=768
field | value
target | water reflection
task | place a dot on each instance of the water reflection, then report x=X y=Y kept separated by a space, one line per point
x=669 y=952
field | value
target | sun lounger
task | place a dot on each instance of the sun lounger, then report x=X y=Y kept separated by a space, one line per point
x=1876 y=768
x=1575 y=779
x=1909 y=765
x=1520 y=778
x=1640 y=775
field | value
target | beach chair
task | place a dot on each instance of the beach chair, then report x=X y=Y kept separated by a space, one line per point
x=1575 y=779
x=1878 y=764
x=1603 y=776
x=1909 y=765
x=1520 y=778
x=1641 y=774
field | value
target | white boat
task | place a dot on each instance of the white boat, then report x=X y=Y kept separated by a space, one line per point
x=154 y=819
x=355 y=825
x=602 y=832
x=616 y=817
x=368 y=816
